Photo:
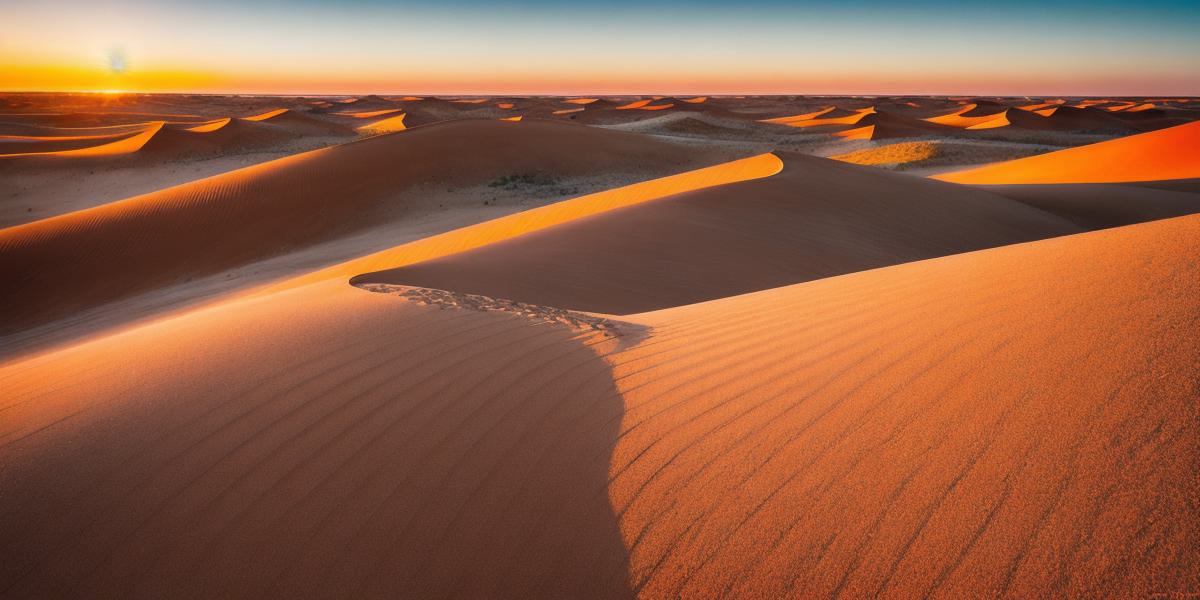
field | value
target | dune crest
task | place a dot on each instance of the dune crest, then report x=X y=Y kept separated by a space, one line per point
x=815 y=218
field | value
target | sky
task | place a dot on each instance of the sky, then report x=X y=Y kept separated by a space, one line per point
x=869 y=47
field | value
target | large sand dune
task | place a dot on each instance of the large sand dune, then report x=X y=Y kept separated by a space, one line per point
x=818 y=218
x=895 y=432
x=64 y=264
x=779 y=376
x=1172 y=153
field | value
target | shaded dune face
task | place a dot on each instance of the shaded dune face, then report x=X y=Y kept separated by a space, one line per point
x=371 y=448
x=818 y=218
x=1096 y=206
x=64 y=264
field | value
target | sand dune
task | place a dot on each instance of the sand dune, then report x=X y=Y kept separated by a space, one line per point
x=895 y=432
x=1172 y=153
x=64 y=264
x=832 y=116
x=163 y=140
x=514 y=227
x=971 y=114
x=369 y=114
x=808 y=115
x=881 y=125
x=901 y=432
x=384 y=125
x=645 y=105
x=299 y=123
x=818 y=218
x=1095 y=206
x=64 y=139
x=105 y=146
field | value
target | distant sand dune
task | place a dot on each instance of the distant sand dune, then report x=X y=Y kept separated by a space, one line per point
x=67 y=263
x=385 y=125
x=969 y=115
x=299 y=123
x=1172 y=153
x=831 y=116
x=95 y=147
x=369 y=114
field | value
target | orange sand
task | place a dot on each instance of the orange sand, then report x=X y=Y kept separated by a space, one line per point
x=1172 y=153
x=897 y=432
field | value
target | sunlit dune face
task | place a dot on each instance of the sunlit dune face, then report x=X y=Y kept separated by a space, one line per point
x=121 y=144
x=957 y=118
x=809 y=120
x=475 y=236
x=267 y=115
x=386 y=125
x=512 y=119
x=210 y=127
x=801 y=117
x=858 y=133
x=505 y=105
x=635 y=104
x=1172 y=153
x=994 y=122
x=581 y=100
x=567 y=111
x=368 y=114
x=697 y=100
x=1036 y=107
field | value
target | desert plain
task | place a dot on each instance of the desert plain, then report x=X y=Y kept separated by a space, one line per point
x=599 y=347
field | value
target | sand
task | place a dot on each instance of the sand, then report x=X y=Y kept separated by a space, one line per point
x=778 y=443
x=80 y=260
x=462 y=357
x=815 y=219
x=1172 y=153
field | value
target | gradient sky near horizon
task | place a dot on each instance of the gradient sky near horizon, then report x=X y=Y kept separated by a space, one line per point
x=1016 y=47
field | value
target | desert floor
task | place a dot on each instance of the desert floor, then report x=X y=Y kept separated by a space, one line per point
x=654 y=347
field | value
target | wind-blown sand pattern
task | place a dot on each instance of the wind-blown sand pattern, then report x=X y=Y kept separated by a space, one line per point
x=845 y=464
x=707 y=364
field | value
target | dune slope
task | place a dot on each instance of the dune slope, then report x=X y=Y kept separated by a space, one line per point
x=816 y=219
x=63 y=264
x=1095 y=206
x=1000 y=421
x=1172 y=153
